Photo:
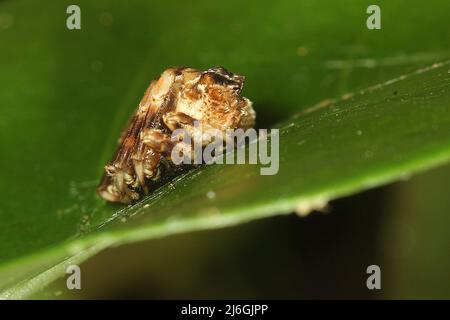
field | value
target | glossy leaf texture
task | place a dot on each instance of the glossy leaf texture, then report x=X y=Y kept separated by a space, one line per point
x=356 y=108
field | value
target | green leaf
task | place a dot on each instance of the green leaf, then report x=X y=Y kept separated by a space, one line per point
x=66 y=95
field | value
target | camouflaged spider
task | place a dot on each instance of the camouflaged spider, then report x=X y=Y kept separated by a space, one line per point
x=180 y=97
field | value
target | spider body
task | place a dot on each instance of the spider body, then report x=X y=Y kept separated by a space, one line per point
x=180 y=97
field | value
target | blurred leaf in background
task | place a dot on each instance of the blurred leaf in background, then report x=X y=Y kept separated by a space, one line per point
x=66 y=95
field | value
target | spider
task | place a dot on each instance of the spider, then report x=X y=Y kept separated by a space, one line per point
x=180 y=97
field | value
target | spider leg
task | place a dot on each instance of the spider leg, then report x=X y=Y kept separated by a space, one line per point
x=175 y=120
x=158 y=141
x=146 y=166
x=132 y=162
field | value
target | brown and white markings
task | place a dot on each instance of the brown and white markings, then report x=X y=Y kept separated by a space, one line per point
x=177 y=99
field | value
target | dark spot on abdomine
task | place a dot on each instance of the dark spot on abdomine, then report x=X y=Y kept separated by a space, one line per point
x=223 y=77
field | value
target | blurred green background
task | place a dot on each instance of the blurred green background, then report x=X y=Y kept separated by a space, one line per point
x=65 y=90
